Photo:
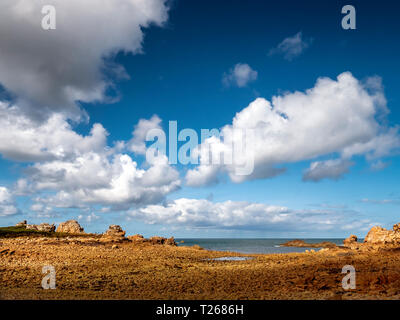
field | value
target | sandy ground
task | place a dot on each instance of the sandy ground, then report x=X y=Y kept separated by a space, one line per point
x=92 y=270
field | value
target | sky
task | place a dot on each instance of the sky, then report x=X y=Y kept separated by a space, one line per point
x=322 y=103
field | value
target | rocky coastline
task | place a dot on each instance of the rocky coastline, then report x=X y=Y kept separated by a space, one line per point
x=113 y=265
x=377 y=238
x=72 y=227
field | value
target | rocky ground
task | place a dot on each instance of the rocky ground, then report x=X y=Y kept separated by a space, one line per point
x=112 y=266
x=91 y=269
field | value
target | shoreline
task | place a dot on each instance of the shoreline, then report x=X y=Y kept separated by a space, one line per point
x=262 y=246
x=112 y=266
x=89 y=269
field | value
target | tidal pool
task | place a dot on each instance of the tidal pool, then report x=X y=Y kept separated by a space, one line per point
x=232 y=258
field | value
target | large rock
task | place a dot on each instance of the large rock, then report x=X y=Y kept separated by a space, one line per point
x=43 y=227
x=114 y=233
x=350 y=240
x=23 y=223
x=161 y=240
x=70 y=226
x=303 y=244
x=137 y=238
x=379 y=235
x=170 y=242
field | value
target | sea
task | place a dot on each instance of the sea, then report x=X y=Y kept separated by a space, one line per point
x=251 y=245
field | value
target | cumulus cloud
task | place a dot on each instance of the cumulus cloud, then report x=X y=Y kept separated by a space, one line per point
x=50 y=71
x=334 y=117
x=7 y=203
x=203 y=175
x=138 y=143
x=201 y=213
x=380 y=146
x=291 y=47
x=43 y=211
x=240 y=75
x=73 y=170
x=97 y=178
x=22 y=139
x=330 y=169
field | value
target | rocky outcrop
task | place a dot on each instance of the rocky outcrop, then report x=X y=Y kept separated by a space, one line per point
x=302 y=244
x=350 y=240
x=70 y=226
x=379 y=235
x=378 y=238
x=161 y=240
x=137 y=238
x=22 y=224
x=170 y=242
x=43 y=227
x=114 y=233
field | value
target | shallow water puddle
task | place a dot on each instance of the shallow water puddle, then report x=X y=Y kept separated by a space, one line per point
x=232 y=258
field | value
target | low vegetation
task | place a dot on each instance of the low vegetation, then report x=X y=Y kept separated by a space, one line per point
x=14 y=232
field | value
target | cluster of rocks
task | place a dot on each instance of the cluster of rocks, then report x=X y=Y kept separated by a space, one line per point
x=71 y=226
x=161 y=240
x=377 y=237
x=44 y=227
x=114 y=233
x=302 y=243
x=138 y=238
x=350 y=240
x=22 y=224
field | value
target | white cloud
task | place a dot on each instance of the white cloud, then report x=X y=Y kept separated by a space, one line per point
x=49 y=71
x=7 y=203
x=330 y=169
x=379 y=165
x=334 y=117
x=43 y=211
x=21 y=187
x=74 y=170
x=380 y=146
x=23 y=139
x=384 y=201
x=96 y=178
x=291 y=47
x=138 y=142
x=194 y=213
x=89 y=218
x=240 y=75
x=203 y=175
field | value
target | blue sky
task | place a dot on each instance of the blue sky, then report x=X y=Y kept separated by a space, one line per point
x=178 y=76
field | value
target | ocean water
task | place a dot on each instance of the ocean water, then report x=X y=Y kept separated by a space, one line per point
x=251 y=245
